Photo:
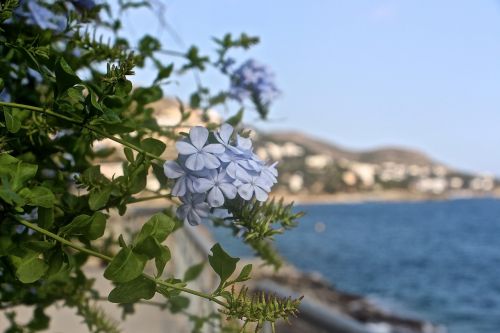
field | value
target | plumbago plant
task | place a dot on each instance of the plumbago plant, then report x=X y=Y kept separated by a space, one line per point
x=62 y=89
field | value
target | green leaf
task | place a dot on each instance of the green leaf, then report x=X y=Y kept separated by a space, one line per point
x=222 y=263
x=162 y=259
x=128 y=154
x=5 y=245
x=125 y=266
x=148 y=95
x=12 y=122
x=159 y=173
x=77 y=225
x=158 y=226
x=39 y=196
x=153 y=146
x=97 y=226
x=193 y=272
x=31 y=269
x=138 y=179
x=45 y=217
x=99 y=197
x=244 y=274
x=149 y=247
x=236 y=119
x=132 y=291
x=39 y=246
x=56 y=261
x=123 y=88
x=164 y=73
x=65 y=76
x=178 y=303
x=23 y=172
x=168 y=291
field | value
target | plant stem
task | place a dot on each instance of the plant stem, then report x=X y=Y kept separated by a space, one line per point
x=153 y=197
x=106 y=258
x=76 y=122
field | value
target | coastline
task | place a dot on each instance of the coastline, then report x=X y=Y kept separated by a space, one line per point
x=380 y=196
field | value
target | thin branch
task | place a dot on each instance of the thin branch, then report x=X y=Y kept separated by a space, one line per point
x=76 y=122
x=106 y=258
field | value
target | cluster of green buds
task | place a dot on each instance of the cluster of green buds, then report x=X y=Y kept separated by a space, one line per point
x=259 y=307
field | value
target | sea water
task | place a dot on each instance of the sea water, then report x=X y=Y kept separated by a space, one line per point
x=437 y=260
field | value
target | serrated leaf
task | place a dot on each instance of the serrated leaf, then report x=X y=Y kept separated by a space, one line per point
x=133 y=291
x=193 y=272
x=125 y=266
x=222 y=263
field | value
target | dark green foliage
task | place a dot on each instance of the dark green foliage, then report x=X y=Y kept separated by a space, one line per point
x=55 y=202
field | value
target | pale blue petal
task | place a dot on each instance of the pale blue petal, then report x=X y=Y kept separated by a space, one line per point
x=227 y=156
x=182 y=211
x=202 y=209
x=229 y=190
x=215 y=197
x=263 y=183
x=245 y=191
x=173 y=170
x=244 y=143
x=198 y=136
x=198 y=198
x=192 y=218
x=221 y=176
x=252 y=165
x=225 y=133
x=185 y=148
x=260 y=194
x=214 y=148
x=195 y=162
x=180 y=187
x=210 y=161
x=240 y=173
x=202 y=185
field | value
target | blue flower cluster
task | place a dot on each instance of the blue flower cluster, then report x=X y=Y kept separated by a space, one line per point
x=210 y=170
x=43 y=17
x=252 y=80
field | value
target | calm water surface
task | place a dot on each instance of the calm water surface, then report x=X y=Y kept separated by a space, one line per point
x=434 y=260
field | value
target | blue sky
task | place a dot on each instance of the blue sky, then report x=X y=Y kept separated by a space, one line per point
x=417 y=73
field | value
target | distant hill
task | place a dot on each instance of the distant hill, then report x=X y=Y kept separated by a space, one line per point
x=310 y=166
x=376 y=156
